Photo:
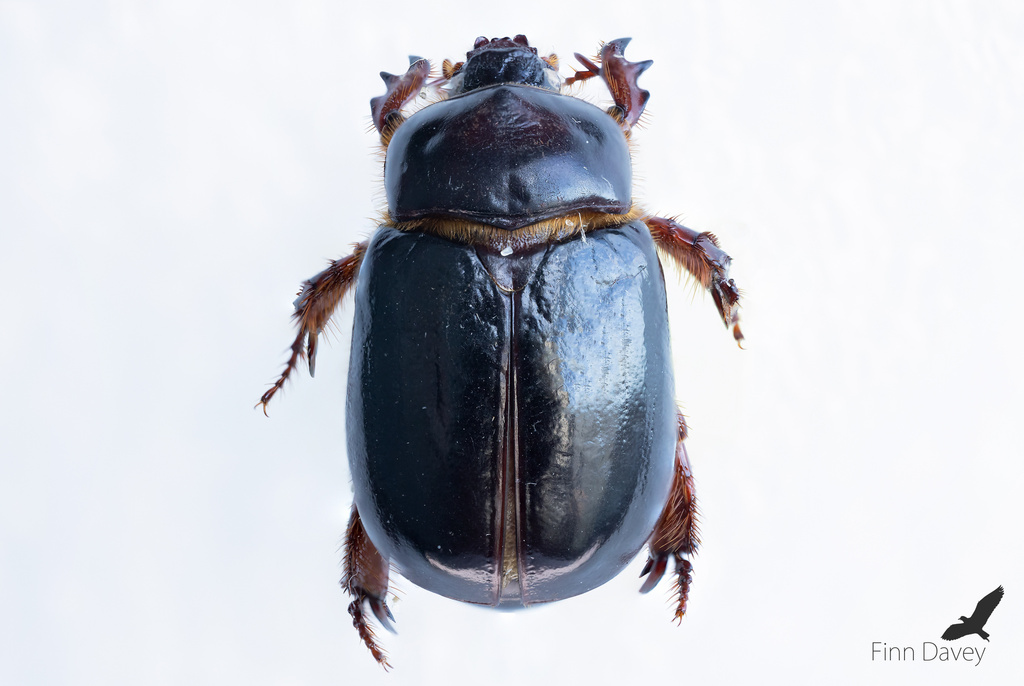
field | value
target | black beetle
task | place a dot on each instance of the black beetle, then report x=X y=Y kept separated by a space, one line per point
x=512 y=432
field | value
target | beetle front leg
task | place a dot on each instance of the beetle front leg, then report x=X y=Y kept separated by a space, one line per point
x=365 y=578
x=317 y=300
x=676 y=534
x=386 y=109
x=699 y=254
x=620 y=75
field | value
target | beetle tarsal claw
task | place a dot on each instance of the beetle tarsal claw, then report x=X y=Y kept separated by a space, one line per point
x=726 y=296
x=655 y=570
x=684 y=577
x=355 y=609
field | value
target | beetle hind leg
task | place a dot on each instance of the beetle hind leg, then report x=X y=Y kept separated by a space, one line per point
x=365 y=578
x=676 y=535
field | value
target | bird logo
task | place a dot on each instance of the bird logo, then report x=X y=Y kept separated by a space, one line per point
x=975 y=624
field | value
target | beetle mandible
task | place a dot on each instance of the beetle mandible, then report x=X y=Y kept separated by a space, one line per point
x=512 y=432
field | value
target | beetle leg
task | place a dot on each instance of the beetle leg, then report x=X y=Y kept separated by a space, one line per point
x=620 y=76
x=365 y=578
x=387 y=109
x=699 y=254
x=676 y=534
x=317 y=300
x=592 y=70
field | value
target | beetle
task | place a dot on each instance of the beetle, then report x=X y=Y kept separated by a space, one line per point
x=513 y=435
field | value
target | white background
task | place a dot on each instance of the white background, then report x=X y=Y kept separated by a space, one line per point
x=170 y=171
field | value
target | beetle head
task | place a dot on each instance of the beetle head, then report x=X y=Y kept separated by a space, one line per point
x=503 y=60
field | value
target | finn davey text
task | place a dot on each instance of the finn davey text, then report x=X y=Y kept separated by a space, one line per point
x=929 y=651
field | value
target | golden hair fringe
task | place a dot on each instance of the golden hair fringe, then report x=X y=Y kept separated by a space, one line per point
x=553 y=230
